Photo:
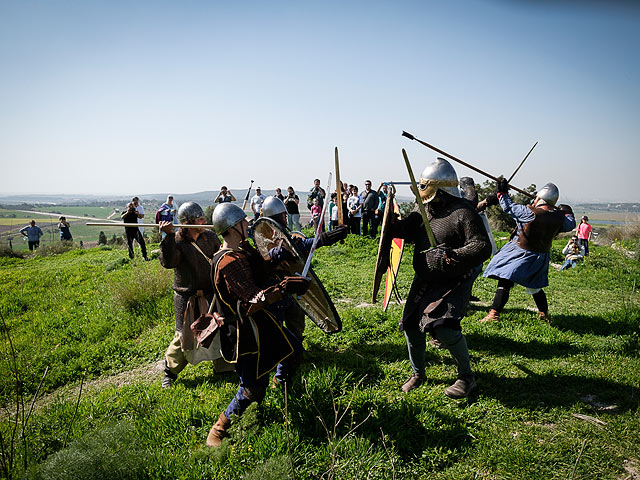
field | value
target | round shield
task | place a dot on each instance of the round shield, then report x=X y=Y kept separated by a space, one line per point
x=316 y=303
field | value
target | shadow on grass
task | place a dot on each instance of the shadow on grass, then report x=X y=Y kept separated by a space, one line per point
x=619 y=322
x=551 y=390
x=409 y=427
x=500 y=345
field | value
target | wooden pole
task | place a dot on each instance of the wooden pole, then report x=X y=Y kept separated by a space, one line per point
x=475 y=169
x=104 y=224
x=423 y=212
x=339 y=191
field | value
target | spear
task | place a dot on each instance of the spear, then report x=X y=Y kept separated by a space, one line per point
x=246 y=198
x=423 y=212
x=104 y=224
x=339 y=192
x=307 y=265
x=476 y=169
x=522 y=162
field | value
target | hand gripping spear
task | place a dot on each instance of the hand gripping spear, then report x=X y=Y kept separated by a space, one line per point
x=476 y=169
x=423 y=212
x=246 y=198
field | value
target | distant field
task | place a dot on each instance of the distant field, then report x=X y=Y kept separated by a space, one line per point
x=603 y=216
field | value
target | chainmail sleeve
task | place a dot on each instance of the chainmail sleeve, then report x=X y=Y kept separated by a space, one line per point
x=461 y=238
x=170 y=256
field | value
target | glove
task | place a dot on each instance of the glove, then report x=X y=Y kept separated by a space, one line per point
x=566 y=209
x=502 y=186
x=280 y=254
x=438 y=258
x=334 y=236
x=295 y=285
x=492 y=200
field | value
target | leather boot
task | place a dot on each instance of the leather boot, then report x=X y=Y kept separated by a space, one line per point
x=492 y=316
x=414 y=381
x=544 y=316
x=218 y=431
x=462 y=387
x=169 y=377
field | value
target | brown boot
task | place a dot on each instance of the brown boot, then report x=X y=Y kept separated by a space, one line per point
x=492 y=316
x=414 y=381
x=544 y=316
x=462 y=387
x=218 y=431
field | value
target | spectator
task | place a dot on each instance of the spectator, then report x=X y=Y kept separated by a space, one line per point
x=354 y=207
x=224 y=196
x=291 y=201
x=316 y=192
x=279 y=194
x=316 y=210
x=166 y=213
x=65 y=231
x=131 y=215
x=584 y=234
x=333 y=212
x=382 y=201
x=256 y=202
x=33 y=234
x=573 y=252
x=370 y=202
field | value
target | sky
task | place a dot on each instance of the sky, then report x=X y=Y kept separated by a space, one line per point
x=117 y=97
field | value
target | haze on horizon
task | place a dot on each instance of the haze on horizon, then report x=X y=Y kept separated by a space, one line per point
x=117 y=98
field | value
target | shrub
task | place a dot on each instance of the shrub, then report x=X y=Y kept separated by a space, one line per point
x=55 y=248
x=629 y=232
x=5 y=251
x=102 y=239
x=141 y=294
x=116 y=240
x=113 y=452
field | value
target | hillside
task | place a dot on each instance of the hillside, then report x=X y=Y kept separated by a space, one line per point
x=86 y=330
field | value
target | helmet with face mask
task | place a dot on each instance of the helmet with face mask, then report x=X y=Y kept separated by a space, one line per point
x=549 y=194
x=225 y=216
x=439 y=175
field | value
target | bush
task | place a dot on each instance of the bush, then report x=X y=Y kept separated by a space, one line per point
x=55 y=248
x=141 y=294
x=116 y=240
x=113 y=452
x=5 y=251
x=102 y=239
x=629 y=232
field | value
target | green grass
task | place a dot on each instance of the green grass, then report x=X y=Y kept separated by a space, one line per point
x=96 y=318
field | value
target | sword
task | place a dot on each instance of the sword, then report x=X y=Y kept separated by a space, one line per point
x=423 y=212
x=307 y=265
x=521 y=163
x=246 y=198
x=476 y=169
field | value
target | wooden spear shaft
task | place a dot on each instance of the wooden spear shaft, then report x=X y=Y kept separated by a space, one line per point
x=339 y=191
x=475 y=169
x=102 y=224
x=423 y=212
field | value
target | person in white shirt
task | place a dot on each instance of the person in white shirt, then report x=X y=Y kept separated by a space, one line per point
x=256 y=202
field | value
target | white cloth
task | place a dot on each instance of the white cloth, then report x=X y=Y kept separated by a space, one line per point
x=256 y=202
x=140 y=210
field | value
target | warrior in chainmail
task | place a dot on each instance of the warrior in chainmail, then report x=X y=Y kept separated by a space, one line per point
x=443 y=277
x=525 y=259
x=249 y=298
x=189 y=252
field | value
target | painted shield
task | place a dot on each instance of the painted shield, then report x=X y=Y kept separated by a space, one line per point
x=389 y=252
x=316 y=303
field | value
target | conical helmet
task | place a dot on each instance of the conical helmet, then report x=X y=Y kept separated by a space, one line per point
x=549 y=193
x=189 y=212
x=272 y=206
x=439 y=175
x=225 y=216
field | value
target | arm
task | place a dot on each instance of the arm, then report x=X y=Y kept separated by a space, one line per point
x=565 y=250
x=216 y=199
x=170 y=256
x=233 y=198
x=23 y=231
x=520 y=213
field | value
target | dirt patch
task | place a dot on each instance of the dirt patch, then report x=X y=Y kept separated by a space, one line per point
x=632 y=470
x=144 y=374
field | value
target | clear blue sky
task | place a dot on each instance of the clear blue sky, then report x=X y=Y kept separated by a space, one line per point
x=165 y=96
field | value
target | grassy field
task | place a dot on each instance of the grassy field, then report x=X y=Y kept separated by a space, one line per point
x=556 y=401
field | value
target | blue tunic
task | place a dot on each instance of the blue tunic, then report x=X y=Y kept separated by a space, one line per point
x=529 y=269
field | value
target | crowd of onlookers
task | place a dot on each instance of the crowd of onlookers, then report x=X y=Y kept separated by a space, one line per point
x=362 y=211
